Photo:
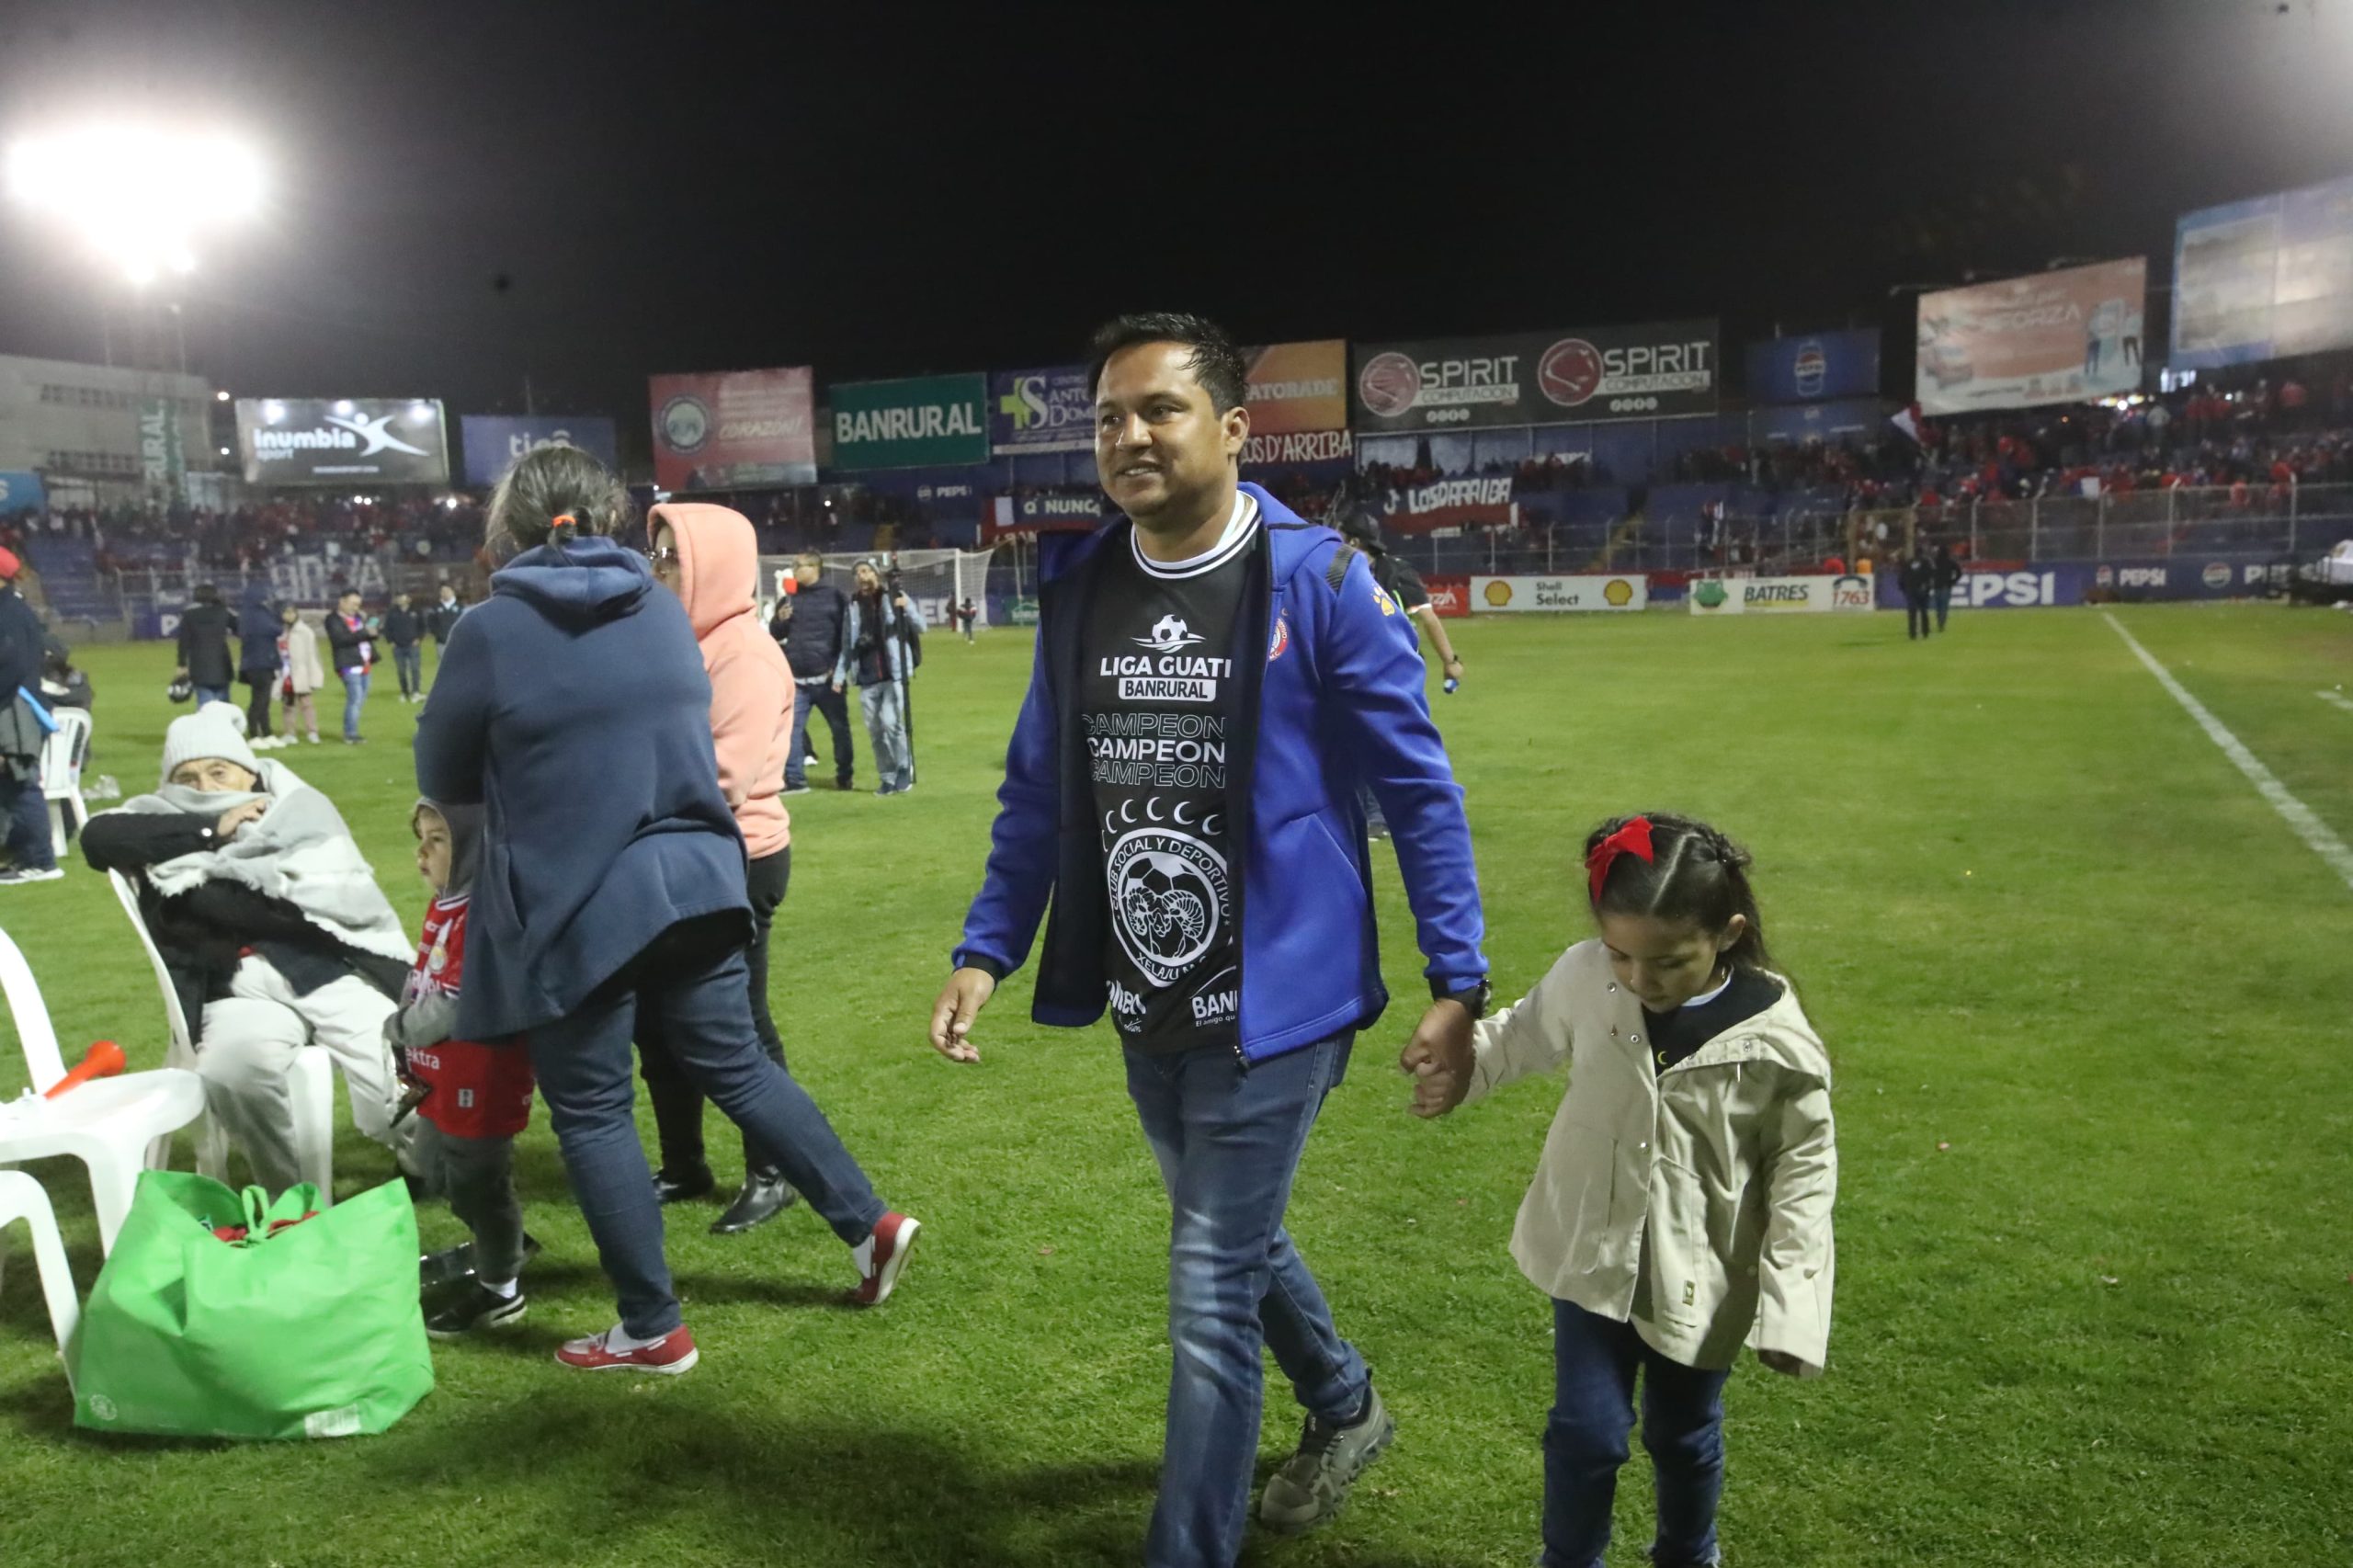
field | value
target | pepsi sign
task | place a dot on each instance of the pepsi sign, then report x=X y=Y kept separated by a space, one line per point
x=1815 y=367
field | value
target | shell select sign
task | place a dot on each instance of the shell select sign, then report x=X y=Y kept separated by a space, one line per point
x=1623 y=591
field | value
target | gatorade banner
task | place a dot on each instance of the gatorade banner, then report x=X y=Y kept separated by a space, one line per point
x=1299 y=386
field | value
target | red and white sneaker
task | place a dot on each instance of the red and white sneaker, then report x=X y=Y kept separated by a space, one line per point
x=670 y=1355
x=893 y=1239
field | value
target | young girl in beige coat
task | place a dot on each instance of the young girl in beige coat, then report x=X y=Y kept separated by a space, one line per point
x=1682 y=1206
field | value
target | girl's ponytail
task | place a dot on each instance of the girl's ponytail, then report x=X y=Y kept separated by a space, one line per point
x=555 y=494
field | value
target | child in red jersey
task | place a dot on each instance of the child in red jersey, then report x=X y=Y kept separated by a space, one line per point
x=477 y=1097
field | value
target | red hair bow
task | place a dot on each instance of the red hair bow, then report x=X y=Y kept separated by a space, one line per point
x=1634 y=839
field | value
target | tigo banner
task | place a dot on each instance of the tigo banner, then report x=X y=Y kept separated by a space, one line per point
x=1778 y=596
x=1299 y=386
x=1815 y=367
x=1540 y=378
x=2053 y=337
x=19 y=489
x=719 y=430
x=920 y=421
x=2263 y=278
x=1050 y=410
x=301 y=440
x=493 y=442
x=1628 y=591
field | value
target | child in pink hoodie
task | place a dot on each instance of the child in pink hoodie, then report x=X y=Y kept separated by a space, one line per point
x=708 y=556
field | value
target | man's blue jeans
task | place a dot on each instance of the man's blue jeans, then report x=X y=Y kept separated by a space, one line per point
x=409 y=663
x=1593 y=1362
x=27 y=816
x=1228 y=1140
x=205 y=694
x=354 y=697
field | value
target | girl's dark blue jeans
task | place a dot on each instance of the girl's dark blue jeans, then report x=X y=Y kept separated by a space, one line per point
x=1594 y=1360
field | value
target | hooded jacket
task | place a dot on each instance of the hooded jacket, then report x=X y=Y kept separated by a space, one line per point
x=257 y=631
x=1332 y=700
x=204 y=644
x=303 y=665
x=572 y=704
x=751 y=685
x=428 y=1017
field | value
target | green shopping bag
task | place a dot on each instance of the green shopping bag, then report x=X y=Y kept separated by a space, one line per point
x=312 y=1330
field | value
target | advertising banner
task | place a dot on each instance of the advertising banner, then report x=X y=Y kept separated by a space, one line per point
x=1628 y=591
x=1815 y=367
x=2264 y=279
x=722 y=429
x=19 y=489
x=1308 y=446
x=2185 y=577
x=1482 y=502
x=1854 y=419
x=1451 y=597
x=2027 y=588
x=919 y=422
x=302 y=440
x=493 y=442
x=1780 y=596
x=1042 y=513
x=1299 y=386
x=1049 y=410
x=2052 y=337
x=1537 y=378
x=160 y=466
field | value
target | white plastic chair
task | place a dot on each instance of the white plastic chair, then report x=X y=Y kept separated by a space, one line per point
x=21 y=1198
x=312 y=1087
x=62 y=755
x=108 y=1123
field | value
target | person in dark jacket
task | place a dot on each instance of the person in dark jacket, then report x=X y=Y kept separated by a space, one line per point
x=258 y=663
x=812 y=621
x=63 y=683
x=612 y=897
x=881 y=645
x=404 y=630
x=441 y=620
x=32 y=856
x=205 y=631
x=1215 y=680
x=1917 y=578
x=351 y=648
x=1949 y=576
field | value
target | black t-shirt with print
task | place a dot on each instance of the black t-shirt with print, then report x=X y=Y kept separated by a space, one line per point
x=1157 y=705
x=1676 y=1034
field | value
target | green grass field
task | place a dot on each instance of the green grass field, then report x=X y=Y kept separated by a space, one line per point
x=2088 y=995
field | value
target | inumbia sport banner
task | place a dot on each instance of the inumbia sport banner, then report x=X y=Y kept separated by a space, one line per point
x=306 y=440
x=1537 y=378
x=493 y=442
x=2263 y=278
x=2054 y=337
x=726 y=429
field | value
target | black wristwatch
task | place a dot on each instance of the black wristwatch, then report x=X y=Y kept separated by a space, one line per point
x=1474 y=995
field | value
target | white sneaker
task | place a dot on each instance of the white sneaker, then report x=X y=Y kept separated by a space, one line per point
x=314 y=740
x=15 y=878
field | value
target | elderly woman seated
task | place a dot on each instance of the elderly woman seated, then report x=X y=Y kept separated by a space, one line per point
x=272 y=926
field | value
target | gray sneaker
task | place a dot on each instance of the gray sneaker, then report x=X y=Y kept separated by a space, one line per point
x=1313 y=1483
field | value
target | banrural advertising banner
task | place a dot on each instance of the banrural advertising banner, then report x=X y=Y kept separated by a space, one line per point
x=1297 y=386
x=1780 y=596
x=1540 y=378
x=160 y=467
x=1815 y=367
x=919 y=422
x=2053 y=337
x=1451 y=597
x=725 y=429
x=1482 y=502
x=1626 y=591
x=493 y=442
x=1048 y=410
x=2264 y=279
x=304 y=440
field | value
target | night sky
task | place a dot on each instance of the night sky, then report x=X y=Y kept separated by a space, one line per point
x=466 y=193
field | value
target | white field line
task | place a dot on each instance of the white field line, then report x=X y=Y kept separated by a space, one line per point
x=2339 y=698
x=2316 y=833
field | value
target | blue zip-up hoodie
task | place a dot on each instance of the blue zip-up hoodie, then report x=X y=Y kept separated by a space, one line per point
x=572 y=703
x=258 y=628
x=1331 y=696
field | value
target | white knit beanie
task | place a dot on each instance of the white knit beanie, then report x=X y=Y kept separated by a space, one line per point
x=212 y=730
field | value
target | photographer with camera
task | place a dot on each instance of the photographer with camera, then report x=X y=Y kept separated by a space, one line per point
x=881 y=645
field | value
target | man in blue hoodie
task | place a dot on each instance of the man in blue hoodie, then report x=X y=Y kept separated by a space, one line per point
x=1214 y=681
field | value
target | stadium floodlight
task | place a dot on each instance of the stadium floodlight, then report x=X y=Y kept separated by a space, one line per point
x=139 y=197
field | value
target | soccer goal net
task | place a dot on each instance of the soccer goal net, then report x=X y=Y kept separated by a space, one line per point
x=933 y=579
